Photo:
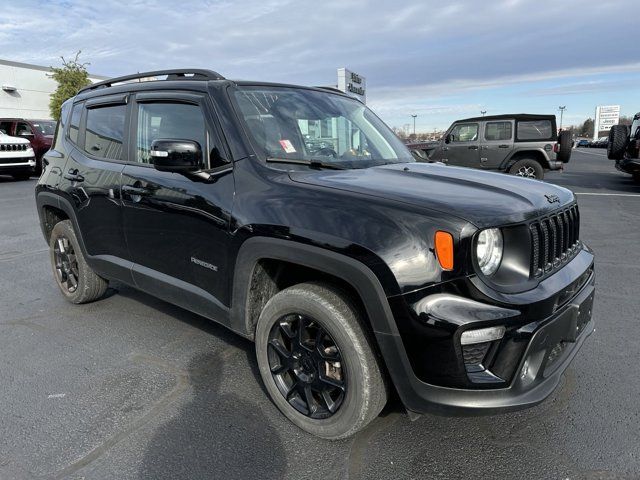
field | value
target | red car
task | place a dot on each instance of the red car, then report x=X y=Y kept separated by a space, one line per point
x=38 y=132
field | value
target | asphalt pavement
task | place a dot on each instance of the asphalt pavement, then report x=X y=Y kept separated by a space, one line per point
x=131 y=387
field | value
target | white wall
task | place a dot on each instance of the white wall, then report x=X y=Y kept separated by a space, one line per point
x=33 y=88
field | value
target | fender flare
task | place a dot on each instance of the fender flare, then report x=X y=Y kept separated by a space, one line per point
x=44 y=199
x=539 y=153
x=355 y=273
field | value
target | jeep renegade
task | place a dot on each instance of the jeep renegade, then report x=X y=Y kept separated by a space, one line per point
x=355 y=270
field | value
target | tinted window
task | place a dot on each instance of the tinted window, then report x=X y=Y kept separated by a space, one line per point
x=23 y=129
x=105 y=132
x=497 y=131
x=6 y=127
x=534 y=130
x=45 y=127
x=464 y=132
x=74 y=125
x=179 y=121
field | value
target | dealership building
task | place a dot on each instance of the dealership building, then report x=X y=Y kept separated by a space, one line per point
x=25 y=90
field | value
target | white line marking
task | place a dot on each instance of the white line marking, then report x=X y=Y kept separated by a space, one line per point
x=57 y=395
x=609 y=194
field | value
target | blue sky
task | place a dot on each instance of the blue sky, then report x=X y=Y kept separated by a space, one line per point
x=440 y=60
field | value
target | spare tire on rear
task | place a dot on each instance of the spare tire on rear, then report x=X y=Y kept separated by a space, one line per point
x=565 y=146
x=618 y=138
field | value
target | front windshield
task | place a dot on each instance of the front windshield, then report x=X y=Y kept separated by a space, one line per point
x=308 y=125
x=45 y=127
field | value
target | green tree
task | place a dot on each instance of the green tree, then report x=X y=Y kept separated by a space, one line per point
x=71 y=77
x=586 y=130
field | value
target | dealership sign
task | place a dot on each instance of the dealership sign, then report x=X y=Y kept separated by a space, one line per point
x=606 y=117
x=352 y=84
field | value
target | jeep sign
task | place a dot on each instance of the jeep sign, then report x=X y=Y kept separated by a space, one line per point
x=606 y=117
x=352 y=84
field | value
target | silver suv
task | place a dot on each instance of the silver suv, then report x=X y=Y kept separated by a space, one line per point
x=520 y=144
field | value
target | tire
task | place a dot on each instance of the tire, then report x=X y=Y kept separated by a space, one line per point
x=76 y=280
x=636 y=177
x=618 y=140
x=528 y=168
x=566 y=146
x=22 y=176
x=363 y=393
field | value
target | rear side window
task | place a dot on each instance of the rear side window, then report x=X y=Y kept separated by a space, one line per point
x=74 y=124
x=497 y=131
x=62 y=123
x=535 y=130
x=104 y=135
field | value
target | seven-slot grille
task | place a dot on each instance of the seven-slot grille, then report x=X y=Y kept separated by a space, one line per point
x=14 y=147
x=554 y=240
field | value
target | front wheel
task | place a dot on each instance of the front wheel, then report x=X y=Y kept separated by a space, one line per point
x=317 y=361
x=527 y=168
x=22 y=176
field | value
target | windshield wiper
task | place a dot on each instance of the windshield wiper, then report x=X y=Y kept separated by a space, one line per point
x=310 y=163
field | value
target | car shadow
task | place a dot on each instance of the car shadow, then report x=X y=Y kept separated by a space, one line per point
x=214 y=435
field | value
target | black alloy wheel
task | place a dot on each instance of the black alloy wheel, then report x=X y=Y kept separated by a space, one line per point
x=306 y=366
x=66 y=264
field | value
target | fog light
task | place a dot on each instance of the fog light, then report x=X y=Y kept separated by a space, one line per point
x=482 y=335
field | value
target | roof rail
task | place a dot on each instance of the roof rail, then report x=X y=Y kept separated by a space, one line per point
x=178 y=74
x=332 y=89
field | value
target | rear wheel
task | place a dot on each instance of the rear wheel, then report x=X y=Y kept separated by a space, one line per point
x=77 y=281
x=317 y=362
x=618 y=139
x=527 y=168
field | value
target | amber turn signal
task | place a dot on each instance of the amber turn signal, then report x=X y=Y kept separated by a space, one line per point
x=444 y=249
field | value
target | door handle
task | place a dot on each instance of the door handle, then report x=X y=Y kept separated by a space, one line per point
x=473 y=147
x=503 y=146
x=140 y=191
x=73 y=175
x=444 y=149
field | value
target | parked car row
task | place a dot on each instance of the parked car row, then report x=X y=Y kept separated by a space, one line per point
x=37 y=133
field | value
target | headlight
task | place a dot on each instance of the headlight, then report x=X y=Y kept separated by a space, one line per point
x=489 y=250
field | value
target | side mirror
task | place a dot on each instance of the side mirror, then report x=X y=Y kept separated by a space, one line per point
x=448 y=138
x=179 y=156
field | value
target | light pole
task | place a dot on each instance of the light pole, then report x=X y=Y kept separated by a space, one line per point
x=561 y=114
x=414 y=123
x=483 y=112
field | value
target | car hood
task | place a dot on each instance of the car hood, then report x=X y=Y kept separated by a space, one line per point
x=7 y=139
x=483 y=198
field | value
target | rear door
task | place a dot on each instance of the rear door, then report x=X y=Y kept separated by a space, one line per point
x=462 y=148
x=177 y=226
x=497 y=143
x=90 y=180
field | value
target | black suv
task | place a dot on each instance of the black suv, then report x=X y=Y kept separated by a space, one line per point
x=520 y=144
x=356 y=270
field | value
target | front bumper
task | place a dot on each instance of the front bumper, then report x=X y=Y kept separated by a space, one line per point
x=16 y=164
x=531 y=357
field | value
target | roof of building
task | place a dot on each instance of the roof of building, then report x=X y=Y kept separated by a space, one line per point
x=30 y=66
